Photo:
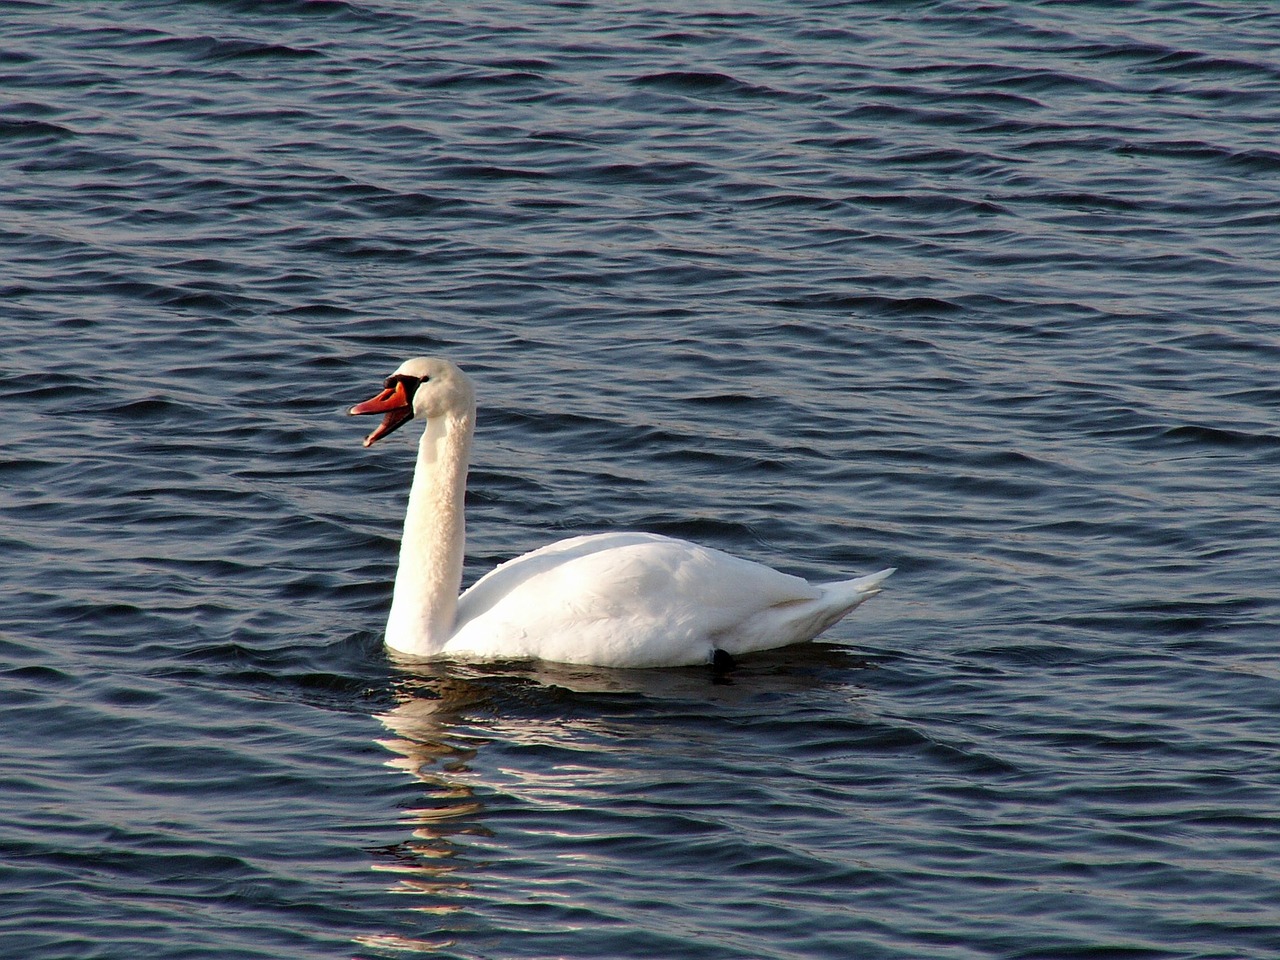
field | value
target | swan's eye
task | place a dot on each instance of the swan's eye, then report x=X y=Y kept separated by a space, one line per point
x=410 y=384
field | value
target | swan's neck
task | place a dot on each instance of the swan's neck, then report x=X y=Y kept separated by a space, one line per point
x=425 y=604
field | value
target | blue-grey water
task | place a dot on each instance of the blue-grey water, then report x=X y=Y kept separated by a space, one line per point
x=987 y=291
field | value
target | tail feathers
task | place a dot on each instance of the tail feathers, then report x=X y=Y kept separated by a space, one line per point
x=798 y=620
x=843 y=596
x=867 y=586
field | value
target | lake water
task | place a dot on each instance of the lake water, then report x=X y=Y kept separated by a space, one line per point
x=986 y=291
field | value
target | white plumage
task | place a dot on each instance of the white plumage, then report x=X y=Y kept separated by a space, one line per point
x=614 y=599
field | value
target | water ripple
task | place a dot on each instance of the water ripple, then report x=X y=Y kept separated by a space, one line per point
x=985 y=292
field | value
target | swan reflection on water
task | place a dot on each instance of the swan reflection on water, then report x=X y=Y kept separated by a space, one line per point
x=426 y=866
x=447 y=713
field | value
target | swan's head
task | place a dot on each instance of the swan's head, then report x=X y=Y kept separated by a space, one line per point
x=422 y=387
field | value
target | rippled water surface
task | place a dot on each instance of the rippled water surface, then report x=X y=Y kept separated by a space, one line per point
x=984 y=291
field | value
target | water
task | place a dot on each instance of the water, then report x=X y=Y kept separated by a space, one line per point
x=985 y=291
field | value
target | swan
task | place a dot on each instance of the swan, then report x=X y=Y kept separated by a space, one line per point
x=609 y=600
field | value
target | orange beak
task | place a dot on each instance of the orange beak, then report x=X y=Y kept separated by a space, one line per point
x=393 y=403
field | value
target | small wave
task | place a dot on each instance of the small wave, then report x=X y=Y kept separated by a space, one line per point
x=149 y=409
x=859 y=303
x=1087 y=201
x=216 y=50
x=1256 y=160
x=655 y=173
x=1223 y=438
x=312 y=8
x=407 y=206
x=473 y=79
x=1193 y=64
x=703 y=83
x=33 y=130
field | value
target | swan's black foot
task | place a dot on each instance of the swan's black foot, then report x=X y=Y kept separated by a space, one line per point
x=722 y=663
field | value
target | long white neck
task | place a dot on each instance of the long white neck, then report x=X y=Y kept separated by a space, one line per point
x=425 y=604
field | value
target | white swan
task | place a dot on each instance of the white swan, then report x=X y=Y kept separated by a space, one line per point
x=613 y=600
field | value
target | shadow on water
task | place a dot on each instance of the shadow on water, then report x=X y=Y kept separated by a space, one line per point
x=448 y=716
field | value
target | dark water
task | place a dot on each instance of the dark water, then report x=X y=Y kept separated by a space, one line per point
x=985 y=291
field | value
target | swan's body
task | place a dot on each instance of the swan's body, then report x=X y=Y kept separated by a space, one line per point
x=614 y=599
